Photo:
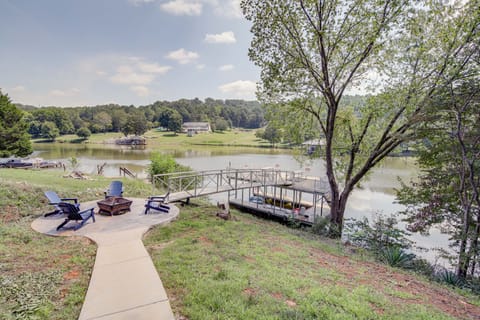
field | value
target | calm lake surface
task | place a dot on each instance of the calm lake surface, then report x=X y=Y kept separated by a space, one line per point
x=375 y=195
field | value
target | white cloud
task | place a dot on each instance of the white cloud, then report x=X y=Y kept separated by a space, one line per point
x=64 y=93
x=18 y=88
x=182 y=56
x=153 y=68
x=136 y=71
x=224 y=37
x=140 y=91
x=222 y=8
x=226 y=67
x=239 y=89
x=139 y=2
x=200 y=66
x=228 y=8
x=132 y=78
x=182 y=7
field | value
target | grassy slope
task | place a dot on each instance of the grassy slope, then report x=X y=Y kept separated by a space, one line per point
x=44 y=277
x=157 y=138
x=212 y=269
x=255 y=269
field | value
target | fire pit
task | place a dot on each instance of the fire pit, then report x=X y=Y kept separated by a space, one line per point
x=114 y=205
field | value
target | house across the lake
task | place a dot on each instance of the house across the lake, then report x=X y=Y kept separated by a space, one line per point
x=192 y=128
x=314 y=145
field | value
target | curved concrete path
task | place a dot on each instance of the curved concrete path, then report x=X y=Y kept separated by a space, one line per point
x=124 y=282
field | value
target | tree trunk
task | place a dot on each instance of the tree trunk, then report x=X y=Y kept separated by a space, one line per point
x=463 y=258
x=337 y=212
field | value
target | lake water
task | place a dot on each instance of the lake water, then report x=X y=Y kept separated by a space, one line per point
x=375 y=195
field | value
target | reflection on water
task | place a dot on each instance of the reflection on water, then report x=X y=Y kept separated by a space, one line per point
x=375 y=195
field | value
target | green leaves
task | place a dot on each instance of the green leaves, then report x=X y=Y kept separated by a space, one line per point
x=14 y=138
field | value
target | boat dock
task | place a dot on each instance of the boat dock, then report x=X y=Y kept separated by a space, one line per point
x=302 y=216
x=274 y=193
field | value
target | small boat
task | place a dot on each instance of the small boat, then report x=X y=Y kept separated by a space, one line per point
x=29 y=163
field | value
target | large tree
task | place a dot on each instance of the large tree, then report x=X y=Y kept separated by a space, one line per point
x=136 y=124
x=14 y=137
x=49 y=130
x=312 y=52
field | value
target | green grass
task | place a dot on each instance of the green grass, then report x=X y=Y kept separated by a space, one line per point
x=43 y=277
x=246 y=268
x=236 y=138
x=254 y=269
x=155 y=138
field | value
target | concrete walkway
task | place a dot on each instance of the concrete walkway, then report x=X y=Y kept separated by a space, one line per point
x=124 y=282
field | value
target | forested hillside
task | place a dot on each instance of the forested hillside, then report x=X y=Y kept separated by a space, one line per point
x=49 y=122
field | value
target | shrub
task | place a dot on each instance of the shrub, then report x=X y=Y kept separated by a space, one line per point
x=321 y=225
x=396 y=257
x=83 y=133
x=163 y=164
x=380 y=235
x=450 y=278
x=423 y=267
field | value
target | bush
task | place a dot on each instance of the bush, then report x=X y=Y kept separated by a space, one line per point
x=423 y=267
x=396 y=257
x=450 y=278
x=380 y=235
x=321 y=225
x=164 y=164
x=161 y=164
x=84 y=133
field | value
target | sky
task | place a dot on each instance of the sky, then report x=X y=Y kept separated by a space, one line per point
x=130 y=52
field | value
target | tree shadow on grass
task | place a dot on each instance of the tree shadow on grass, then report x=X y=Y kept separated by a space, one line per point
x=80 y=140
x=43 y=141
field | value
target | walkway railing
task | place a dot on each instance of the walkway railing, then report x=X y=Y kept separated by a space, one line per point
x=184 y=185
x=126 y=172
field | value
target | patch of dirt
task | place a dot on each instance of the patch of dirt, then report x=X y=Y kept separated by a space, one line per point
x=205 y=240
x=250 y=291
x=71 y=275
x=290 y=303
x=9 y=214
x=384 y=279
x=277 y=249
x=277 y=295
x=160 y=246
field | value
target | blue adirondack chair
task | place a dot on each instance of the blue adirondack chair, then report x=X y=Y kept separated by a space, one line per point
x=54 y=200
x=157 y=203
x=115 y=189
x=74 y=214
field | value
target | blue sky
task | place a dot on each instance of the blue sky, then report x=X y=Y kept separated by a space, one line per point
x=89 y=52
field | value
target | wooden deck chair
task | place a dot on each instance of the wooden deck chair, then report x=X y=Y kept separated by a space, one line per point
x=115 y=189
x=54 y=200
x=75 y=214
x=157 y=203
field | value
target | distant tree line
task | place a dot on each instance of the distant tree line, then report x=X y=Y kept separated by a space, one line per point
x=50 y=122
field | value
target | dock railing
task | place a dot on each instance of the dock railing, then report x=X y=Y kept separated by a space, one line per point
x=199 y=183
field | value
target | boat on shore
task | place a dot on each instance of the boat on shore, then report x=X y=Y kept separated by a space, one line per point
x=29 y=163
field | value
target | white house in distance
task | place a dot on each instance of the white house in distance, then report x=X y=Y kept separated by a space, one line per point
x=192 y=128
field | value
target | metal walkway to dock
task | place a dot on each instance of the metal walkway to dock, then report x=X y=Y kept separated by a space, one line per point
x=185 y=185
x=182 y=186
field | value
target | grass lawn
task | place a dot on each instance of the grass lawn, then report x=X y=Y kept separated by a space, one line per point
x=250 y=268
x=155 y=138
x=245 y=268
x=43 y=277
x=238 y=138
